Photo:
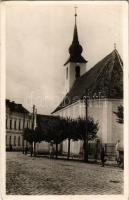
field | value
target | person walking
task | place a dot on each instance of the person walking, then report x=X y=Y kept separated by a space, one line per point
x=117 y=148
x=103 y=156
x=50 y=150
x=26 y=150
x=31 y=150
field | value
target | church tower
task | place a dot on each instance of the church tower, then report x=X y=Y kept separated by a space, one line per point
x=76 y=64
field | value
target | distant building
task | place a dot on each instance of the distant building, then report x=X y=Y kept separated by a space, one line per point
x=103 y=87
x=17 y=118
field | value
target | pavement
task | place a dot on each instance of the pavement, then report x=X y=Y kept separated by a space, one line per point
x=27 y=175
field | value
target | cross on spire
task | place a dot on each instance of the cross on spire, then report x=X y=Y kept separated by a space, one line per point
x=75 y=13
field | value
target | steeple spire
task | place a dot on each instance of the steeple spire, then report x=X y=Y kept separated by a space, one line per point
x=75 y=48
x=75 y=35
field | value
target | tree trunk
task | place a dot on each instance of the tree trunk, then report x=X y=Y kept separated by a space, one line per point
x=56 y=150
x=68 y=149
x=85 y=150
x=34 y=148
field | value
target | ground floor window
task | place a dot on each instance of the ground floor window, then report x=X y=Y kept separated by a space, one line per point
x=14 y=140
x=10 y=140
x=19 y=141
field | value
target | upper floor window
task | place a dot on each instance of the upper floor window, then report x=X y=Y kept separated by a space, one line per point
x=77 y=71
x=19 y=124
x=15 y=125
x=10 y=123
x=27 y=126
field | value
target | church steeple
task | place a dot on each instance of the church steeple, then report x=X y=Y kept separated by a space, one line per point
x=75 y=48
x=76 y=64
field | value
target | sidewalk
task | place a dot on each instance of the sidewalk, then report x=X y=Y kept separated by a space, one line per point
x=112 y=163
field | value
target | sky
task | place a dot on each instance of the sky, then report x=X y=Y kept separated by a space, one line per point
x=37 y=40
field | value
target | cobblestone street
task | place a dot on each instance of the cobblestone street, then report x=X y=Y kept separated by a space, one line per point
x=39 y=175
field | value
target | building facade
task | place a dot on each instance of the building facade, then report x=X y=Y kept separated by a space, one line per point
x=17 y=119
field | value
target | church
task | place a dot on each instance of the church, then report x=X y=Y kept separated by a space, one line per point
x=102 y=85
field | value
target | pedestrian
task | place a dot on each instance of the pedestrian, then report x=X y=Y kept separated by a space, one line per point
x=117 y=148
x=103 y=160
x=51 y=150
x=26 y=150
x=31 y=150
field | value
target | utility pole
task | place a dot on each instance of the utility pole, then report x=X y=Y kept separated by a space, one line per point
x=33 y=146
x=23 y=132
x=33 y=117
x=86 y=133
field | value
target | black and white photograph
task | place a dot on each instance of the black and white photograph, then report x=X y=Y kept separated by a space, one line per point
x=64 y=98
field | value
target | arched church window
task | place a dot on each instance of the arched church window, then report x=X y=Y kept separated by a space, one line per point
x=77 y=70
x=67 y=73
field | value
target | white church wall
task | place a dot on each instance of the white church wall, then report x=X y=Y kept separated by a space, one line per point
x=73 y=111
x=102 y=112
x=42 y=147
x=75 y=146
x=117 y=128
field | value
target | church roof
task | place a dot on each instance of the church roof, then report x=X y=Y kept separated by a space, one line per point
x=104 y=80
x=14 y=107
x=43 y=120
